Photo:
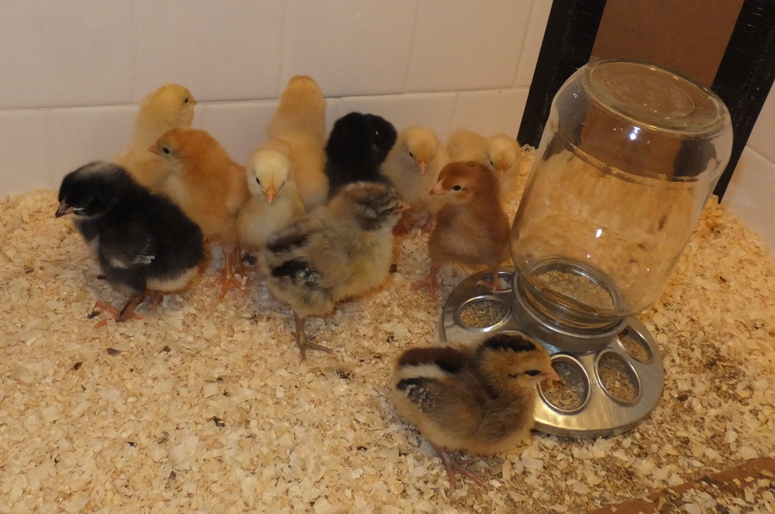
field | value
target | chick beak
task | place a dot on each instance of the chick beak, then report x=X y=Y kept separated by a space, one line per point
x=63 y=209
x=436 y=190
x=154 y=149
x=192 y=102
x=551 y=375
x=403 y=206
x=422 y=165
x=270 y=193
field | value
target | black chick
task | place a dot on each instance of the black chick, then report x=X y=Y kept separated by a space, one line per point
x=357 y=146
x=144 y=242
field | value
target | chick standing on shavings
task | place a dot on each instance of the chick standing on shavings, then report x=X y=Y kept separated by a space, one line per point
x=340 y=251
x=274 y=202
x=169 y=106
x=300 y=123
x=413 y=166
x=471 y=228
x=209 y=187
x=357 y=145
x=145 y=243
x=478 y=400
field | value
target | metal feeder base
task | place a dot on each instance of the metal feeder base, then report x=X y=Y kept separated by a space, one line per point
x=606 y=391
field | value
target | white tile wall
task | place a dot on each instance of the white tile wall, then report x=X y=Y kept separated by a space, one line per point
x=751 y=192
x=220 y=50
x=351 y=47
x=74 y=71
x=461 y=45
x=55 y=54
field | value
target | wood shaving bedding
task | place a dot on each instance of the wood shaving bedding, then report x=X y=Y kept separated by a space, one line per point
x=204 y=407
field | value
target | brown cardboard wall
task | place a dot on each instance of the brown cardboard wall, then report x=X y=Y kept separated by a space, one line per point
x=689 y=36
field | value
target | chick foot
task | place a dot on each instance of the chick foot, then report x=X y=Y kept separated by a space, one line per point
x=126 y=313
x=452 y=466
x=303 y=343
x=227 y=280
x=155 y=297
x=494 y=284
x=429 y=283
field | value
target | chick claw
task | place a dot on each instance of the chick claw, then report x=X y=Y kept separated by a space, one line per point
x=127 y=313
x=452 y=466
x=303 y=343
x=493 y=284
x=429 y=283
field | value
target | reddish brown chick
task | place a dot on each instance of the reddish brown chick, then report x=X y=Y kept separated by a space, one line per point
x=471 y=228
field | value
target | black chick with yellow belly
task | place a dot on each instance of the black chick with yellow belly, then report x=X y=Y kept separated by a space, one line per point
x=143 y=241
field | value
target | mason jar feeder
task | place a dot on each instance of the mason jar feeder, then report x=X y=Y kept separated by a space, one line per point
x=629 y=156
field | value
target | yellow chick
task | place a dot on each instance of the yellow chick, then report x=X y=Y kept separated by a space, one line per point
x=478 y=400
x=209 y=187
x=274 y=202
x=466 y=145
x=300 y=123
x=471 y=228
x=504 y=155
x=413 y=167
x=169 y=106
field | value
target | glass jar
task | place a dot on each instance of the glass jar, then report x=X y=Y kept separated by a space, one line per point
x=629 y=156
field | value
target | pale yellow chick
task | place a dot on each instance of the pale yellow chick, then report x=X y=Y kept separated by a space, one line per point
x=169 y=106
x=300 y=123
x=209 y=187
x=466 y=145
x=413 y=167
x=274 y=202
x=505 y=155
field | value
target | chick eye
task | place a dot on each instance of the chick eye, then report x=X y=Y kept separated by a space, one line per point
x=185 y=101
x=457 y=187
x=165 y=150
x=258 y=181
x=491 y=163
x=532 y=373
x=411 y=155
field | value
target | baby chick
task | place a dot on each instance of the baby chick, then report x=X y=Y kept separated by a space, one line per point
x=466 y=145
x=300 y=122
x=471 y=227
x=413 y=166
x=504 y=155
x=340 y=251
x=208 y=186
x=274 y=202
x=143 y=241
x=169 y=106
x=357 y=146
x=478 y=400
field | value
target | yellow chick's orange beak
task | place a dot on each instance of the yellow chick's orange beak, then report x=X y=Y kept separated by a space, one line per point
x=270 y=193
x=422 y=165
x=154 y=149
x=63 y=210
x=552 y=375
